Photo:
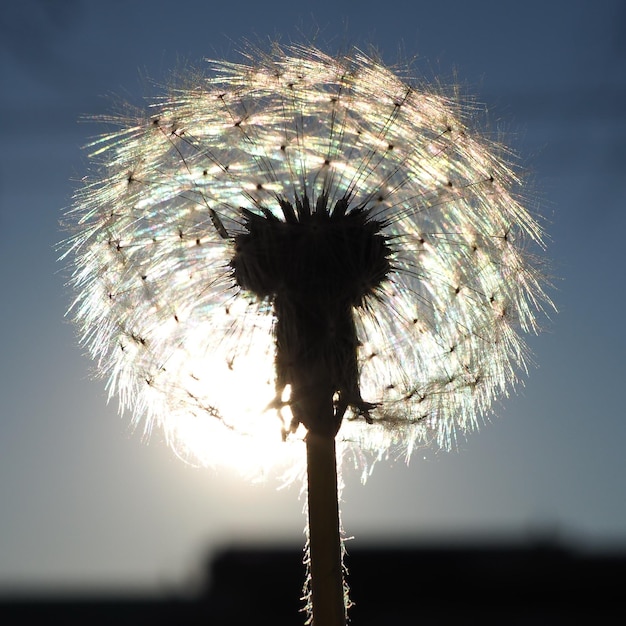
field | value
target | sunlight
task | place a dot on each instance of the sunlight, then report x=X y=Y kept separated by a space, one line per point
x=254 y=454
x=237 y=421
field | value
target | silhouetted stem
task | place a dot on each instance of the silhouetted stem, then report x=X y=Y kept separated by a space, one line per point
x=324 y=538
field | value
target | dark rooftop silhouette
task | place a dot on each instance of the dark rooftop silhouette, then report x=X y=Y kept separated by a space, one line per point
x=472 y=584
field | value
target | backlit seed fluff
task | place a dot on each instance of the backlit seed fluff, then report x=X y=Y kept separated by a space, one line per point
x=295 y=171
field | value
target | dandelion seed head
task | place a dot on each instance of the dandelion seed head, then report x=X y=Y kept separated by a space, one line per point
x=295 y=172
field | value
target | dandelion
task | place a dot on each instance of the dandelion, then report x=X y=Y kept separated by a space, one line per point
x=303 y=247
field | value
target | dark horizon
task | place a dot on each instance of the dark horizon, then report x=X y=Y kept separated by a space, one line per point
x=493 y=582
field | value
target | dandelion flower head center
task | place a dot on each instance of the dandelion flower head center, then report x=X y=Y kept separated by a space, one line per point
x=316 y=266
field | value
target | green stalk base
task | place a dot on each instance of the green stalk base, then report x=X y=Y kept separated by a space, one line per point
x=324 y=538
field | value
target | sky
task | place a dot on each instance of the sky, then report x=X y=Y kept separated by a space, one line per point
x=87 y=504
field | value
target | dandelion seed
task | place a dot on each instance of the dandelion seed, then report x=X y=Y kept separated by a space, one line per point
x=303 y=244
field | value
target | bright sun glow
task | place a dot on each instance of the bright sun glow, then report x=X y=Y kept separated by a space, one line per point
x=253 y=443
x=240 y=425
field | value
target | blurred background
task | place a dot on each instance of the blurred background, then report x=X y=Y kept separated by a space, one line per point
x=86 y=504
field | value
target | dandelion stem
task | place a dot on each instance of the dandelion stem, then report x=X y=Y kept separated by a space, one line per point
x=324 y=538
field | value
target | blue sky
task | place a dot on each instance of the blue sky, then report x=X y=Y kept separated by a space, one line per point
x=86 y=503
